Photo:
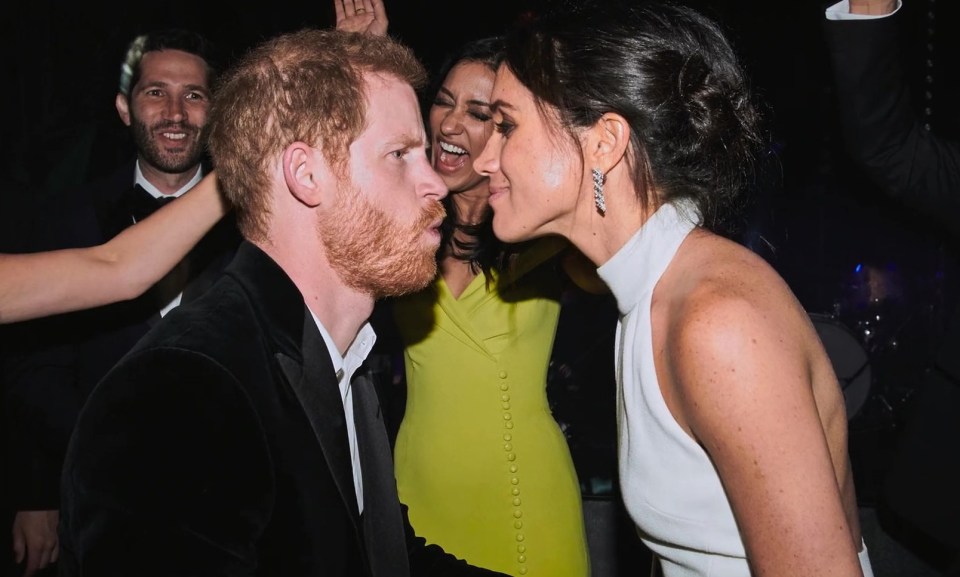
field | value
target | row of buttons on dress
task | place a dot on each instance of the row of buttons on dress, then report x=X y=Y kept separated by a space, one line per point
x=514 y=470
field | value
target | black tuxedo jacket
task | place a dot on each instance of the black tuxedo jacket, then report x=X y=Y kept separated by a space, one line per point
x=218 y=446
x=58 y=360
x=883 y=133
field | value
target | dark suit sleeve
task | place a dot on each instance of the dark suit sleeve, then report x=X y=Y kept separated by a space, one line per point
x=167 y=473
x=882 y=131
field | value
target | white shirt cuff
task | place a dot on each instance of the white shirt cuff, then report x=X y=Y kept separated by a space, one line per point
x=841 y=11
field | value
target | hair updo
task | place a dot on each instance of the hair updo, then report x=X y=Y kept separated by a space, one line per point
x=672 y=74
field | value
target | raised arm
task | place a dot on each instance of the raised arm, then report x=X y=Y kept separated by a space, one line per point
x=881 y=128
x=46 y=283
x=367 y=16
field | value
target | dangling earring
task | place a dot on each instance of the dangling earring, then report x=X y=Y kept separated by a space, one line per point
x=598 y=198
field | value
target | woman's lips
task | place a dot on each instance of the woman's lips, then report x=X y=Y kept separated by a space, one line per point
x=450 y=158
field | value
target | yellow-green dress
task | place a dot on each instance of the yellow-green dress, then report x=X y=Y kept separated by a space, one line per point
x=480 y=461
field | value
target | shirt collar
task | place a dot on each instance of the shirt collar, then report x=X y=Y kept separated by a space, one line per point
x=345 y=365
x=138 y=178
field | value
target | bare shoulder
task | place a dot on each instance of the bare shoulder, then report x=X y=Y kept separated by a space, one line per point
x=725 y=290
x=735 y=333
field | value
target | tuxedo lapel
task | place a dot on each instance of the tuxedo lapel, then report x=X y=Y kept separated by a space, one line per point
x=382 y=521
x=315 y=385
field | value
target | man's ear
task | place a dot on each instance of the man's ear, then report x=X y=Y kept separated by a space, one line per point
x=123 y=108
x=606 y=142
x=307 y=173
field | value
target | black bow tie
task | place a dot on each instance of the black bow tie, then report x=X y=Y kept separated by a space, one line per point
x=142 y=204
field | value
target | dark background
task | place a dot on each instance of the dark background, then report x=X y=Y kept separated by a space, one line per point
x=846 y=251
x=865 y=266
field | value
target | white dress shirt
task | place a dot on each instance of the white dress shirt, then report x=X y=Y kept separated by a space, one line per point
x=345 y=367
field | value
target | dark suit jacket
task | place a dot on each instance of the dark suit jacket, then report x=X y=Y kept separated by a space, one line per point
x=884 y=135
x=58 y=360
x=218 y=446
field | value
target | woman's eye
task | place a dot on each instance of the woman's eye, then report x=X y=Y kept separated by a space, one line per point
x=505 y=127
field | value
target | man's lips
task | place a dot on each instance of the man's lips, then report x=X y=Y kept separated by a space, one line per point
x=175 y=133
x=433 y=232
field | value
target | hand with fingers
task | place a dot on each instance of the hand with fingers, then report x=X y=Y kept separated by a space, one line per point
x=365 y=16
x=35 y=543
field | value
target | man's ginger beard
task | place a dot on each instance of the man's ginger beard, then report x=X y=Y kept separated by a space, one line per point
x=373 y=252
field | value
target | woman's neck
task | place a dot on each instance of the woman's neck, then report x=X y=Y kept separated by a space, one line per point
x=600 y=237
x=471 y=205
x=457 y=274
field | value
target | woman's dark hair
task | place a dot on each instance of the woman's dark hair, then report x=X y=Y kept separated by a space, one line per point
x=672 y=74
x=478 y=245
x=488 y=51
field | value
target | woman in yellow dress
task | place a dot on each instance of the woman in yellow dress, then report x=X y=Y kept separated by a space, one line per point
x=480 y=461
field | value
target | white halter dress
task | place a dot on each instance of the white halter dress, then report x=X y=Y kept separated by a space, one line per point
x=669 y=485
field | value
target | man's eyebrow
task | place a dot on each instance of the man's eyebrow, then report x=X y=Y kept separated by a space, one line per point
x=407 y=141
x=160 y=83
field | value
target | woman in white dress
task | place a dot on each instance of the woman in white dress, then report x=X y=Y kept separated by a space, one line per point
x=631 y=132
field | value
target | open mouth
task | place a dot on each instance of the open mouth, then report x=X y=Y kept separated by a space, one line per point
x=451 y=157
x=176 y=136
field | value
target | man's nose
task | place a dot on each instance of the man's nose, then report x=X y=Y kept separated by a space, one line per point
x=175 y=110
x=432 y=185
